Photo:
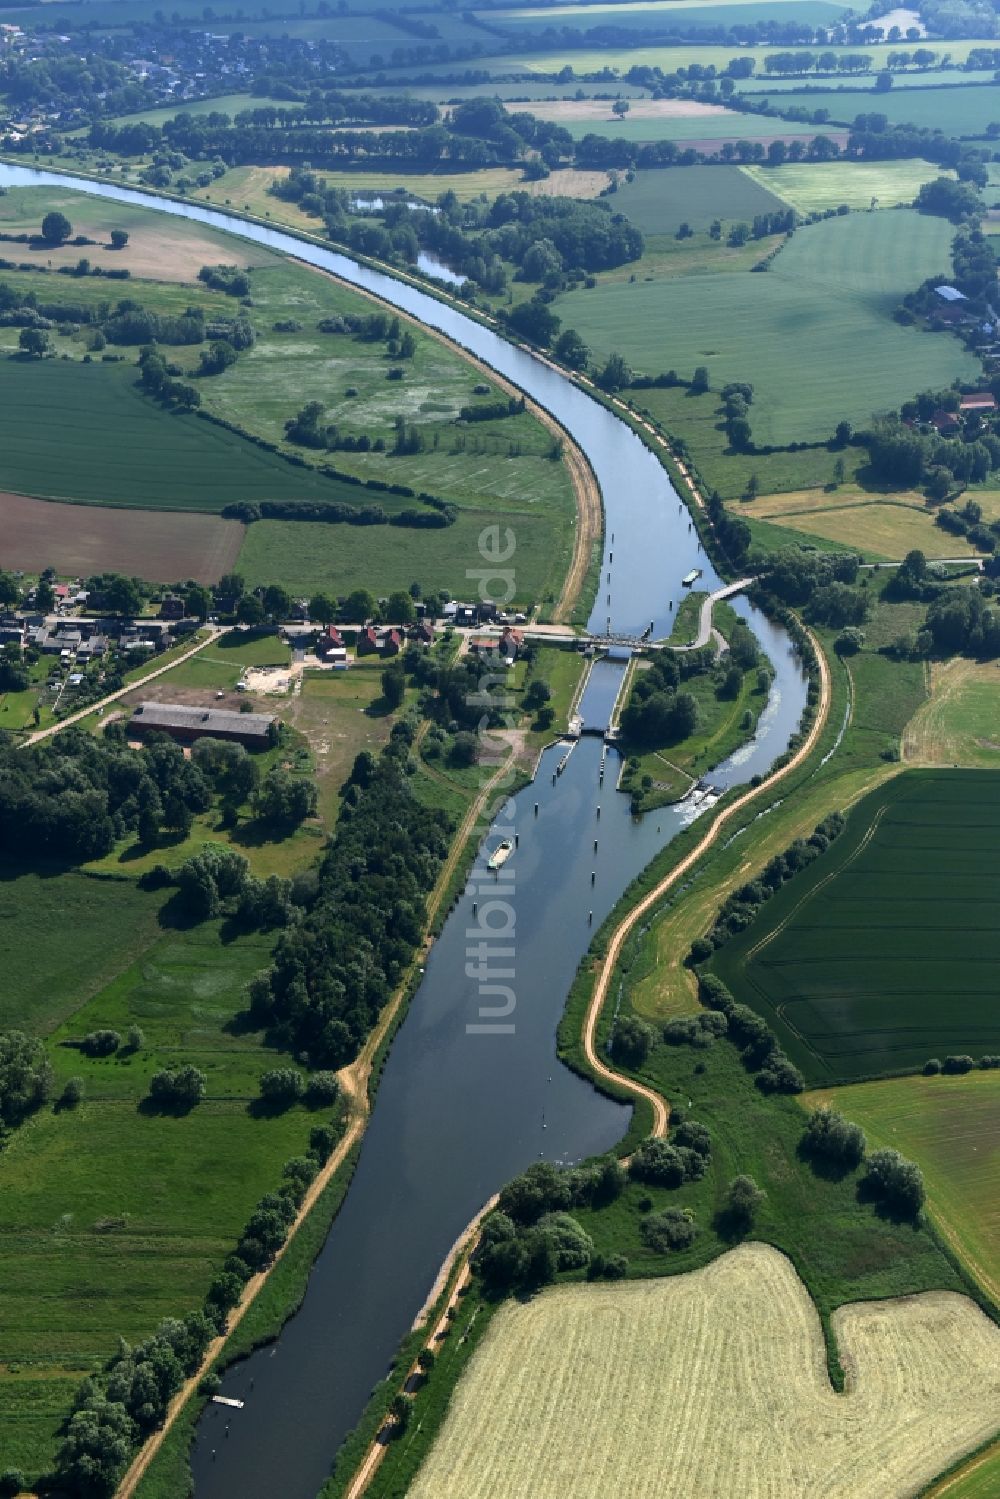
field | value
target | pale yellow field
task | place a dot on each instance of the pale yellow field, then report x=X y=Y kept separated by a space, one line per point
x=960 y=722
x=561 y=110
x=811 y=187
x=713 y=1385
x=883 y=528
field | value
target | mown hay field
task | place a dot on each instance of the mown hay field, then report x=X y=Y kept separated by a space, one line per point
x=659 y=202
x=82 y=539
x=881 y=529
x=713 y=1384
x=951 y=1127
x=884 y=952
x=658 y=17
x=960 y=722
x=621 y=59
x=814 y=186
x=815 y=335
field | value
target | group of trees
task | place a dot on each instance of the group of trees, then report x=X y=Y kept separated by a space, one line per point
x=334 y=970
x=759 y=1048
x=25 y=1078
x=660 y=712
x=74 y=797
x=742 y=907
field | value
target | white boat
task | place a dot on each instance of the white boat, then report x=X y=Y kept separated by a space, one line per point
x=500 y=855
x=691 y=577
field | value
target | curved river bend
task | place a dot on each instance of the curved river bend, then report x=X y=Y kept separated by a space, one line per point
x=460 y=1110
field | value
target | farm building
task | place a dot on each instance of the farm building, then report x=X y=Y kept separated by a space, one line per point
x=978 y=400
x=253 y=730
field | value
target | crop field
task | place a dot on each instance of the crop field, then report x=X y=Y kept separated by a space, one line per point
x=89 y=1255
x=81 y=539
x=932 y=78
x=882 y=529
x=950 y=1126
x=117 y=447
x=230 y=104
x=883 y=953
x=813 y=187
x=714 y=1383
x=659 y=202
x=815 y=335
x=160 y=246
x=958 y=725
x=962 y=111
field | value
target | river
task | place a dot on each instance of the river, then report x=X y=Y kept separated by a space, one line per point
x=467 y=1100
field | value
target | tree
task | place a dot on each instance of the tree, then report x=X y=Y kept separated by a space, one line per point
x=359 y=607
x=743 y=1198
x=399 y=608
x=830 y=1137
x=12 y=1482
x=119 y=239
x=282 y=1085
x=393 y=685
x=250 y=610
x=895 y=1182
x=33 y=342
x=699 y=380
x=534 y=321
x=56 y=228
x=181 y=1089
x=631 y=1041
x=122 y=595
x=674 y=1228
x=536 y=693
x=96 y=1449
x=72 y=1094
x=134 y=1038
x=571 y=349
x=25 y=1076
x=322 y=609
x=620 y=108
x=615 y=375
x=198 y=603
x=45 y=596
x=285 y=799
x=277 y=602
x=465 y=749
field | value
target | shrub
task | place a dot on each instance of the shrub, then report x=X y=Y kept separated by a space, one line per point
x=322 y=1139
x=674 y=1228
x=631 y=1041
x=657 y=1162
x=932 y=1066
x=571 y=1245
x=743 y=1198
x=181 y=1089
x=101 y=1043
x=829 y=1136
x=895 y=1182
x=958 y=1064
x=282 y=1085
x=72 y=1093
x=323 y=1087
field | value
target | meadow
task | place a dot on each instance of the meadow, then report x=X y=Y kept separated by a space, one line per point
x=88 y=1256
x=659 y=202
x=883 y=952
x=813 y=187
x=713 y=1383
x=958 y=723
x=726 y=125
x=814 y=335
x=308 y=555
x=949 y=1126
x=961 y=111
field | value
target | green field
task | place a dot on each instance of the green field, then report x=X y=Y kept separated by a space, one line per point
x=659 y=202
x=884 y=952
x=229 y=104
x=813 y=187
x=962 y=111
x=814 y=335
x=951 y=1127
x=117 y=447
x=908 y=79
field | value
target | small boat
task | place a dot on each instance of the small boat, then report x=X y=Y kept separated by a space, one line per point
x=691 y=577
x=500 y=855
